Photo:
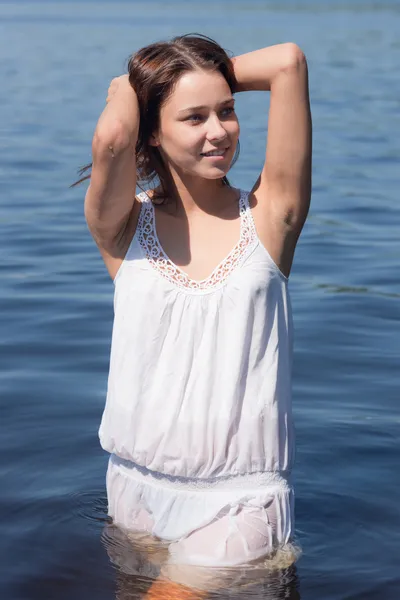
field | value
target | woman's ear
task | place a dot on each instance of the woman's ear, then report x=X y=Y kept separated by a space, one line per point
x=153 y=141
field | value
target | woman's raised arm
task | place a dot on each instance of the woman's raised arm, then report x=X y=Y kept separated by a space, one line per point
x=111 y=193
x=284 y=185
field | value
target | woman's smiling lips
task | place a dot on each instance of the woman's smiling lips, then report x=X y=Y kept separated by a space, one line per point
x=215 y=154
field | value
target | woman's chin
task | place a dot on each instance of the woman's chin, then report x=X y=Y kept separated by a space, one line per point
x=215 y=172
x=210 y=172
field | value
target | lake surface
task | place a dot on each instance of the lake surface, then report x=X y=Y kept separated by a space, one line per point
x=56 y=61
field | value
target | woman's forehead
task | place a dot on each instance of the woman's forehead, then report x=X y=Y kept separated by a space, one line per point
x=198 y=88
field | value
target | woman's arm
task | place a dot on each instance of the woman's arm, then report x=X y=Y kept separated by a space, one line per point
x=284 y=185
x=111 y=194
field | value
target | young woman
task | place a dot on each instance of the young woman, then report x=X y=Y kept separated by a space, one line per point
x=198 y=416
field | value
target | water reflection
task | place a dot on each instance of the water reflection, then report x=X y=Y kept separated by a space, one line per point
x=139 y=560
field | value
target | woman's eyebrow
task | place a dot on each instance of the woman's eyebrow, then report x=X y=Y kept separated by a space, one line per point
x=190 y=108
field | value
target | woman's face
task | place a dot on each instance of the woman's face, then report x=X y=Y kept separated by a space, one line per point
x=197 y=118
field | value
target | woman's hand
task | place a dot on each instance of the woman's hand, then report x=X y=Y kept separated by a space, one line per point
x=118 y=124
x=119 y=85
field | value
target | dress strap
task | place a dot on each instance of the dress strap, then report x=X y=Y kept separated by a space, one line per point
x=248 y=216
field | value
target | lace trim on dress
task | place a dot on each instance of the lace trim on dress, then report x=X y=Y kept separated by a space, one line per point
x=159 y=260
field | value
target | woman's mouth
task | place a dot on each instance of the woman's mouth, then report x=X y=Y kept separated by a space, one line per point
x=216 y=154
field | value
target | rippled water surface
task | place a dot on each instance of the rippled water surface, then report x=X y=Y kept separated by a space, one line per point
x=56 y=60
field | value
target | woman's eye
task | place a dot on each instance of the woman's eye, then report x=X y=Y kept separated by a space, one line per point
x=224 y=113
x=228 y=111
x=195 y=118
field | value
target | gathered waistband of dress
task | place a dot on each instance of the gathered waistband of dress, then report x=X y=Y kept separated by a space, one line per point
x=259 y=479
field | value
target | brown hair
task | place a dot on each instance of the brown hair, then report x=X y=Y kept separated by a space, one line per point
x=153 y=73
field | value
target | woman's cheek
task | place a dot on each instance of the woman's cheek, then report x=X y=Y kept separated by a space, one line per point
x=193 y=137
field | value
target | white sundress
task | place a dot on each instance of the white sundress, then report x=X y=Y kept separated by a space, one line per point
x=198 y=417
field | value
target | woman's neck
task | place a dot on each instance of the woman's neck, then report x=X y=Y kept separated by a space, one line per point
x=194 y=196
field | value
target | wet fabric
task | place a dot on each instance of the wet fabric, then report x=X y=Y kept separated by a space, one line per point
x=207 y=522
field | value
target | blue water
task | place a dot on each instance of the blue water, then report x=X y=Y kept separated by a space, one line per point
x=56 y=61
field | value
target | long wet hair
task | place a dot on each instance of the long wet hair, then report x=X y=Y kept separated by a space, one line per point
x=153 y=73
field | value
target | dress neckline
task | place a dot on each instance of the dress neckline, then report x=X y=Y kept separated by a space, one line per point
x=160 y=260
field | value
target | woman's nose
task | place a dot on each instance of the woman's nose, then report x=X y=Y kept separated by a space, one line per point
x=216 y=133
